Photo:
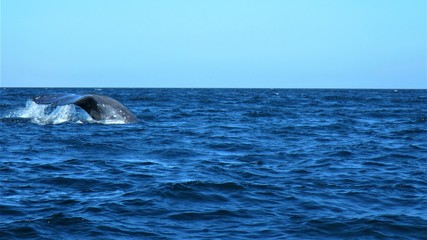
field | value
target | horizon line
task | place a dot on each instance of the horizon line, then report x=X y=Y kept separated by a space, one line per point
x=283 y=88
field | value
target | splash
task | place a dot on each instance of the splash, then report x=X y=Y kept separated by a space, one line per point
x=47 y=114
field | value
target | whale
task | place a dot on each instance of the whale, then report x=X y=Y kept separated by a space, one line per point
x=99 y=107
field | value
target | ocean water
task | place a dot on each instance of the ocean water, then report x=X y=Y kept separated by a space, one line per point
x=216 y=164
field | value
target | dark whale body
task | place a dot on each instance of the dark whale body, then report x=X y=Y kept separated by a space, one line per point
x=99 y=107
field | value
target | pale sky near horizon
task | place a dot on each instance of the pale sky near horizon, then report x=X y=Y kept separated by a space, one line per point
x=214 y=43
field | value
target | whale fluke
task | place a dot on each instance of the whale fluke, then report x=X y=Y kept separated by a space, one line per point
x=99 y=107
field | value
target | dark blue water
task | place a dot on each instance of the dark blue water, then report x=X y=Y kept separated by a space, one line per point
x=217 y=164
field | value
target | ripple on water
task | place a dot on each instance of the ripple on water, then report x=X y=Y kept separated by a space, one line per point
x=217 y=164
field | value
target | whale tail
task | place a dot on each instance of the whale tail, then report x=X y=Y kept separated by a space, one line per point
x=99 y=107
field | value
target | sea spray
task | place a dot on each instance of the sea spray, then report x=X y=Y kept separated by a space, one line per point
x=45 y=114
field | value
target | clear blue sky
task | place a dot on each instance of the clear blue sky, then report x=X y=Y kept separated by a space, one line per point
x=214 y=43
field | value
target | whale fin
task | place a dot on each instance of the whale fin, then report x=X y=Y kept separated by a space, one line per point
x=99 y=107
x=58 y=99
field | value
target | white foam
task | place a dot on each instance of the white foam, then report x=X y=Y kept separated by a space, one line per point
x=45 y=114
x=112 y=121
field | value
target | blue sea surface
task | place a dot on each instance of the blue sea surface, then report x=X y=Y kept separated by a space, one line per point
x=216 y=164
